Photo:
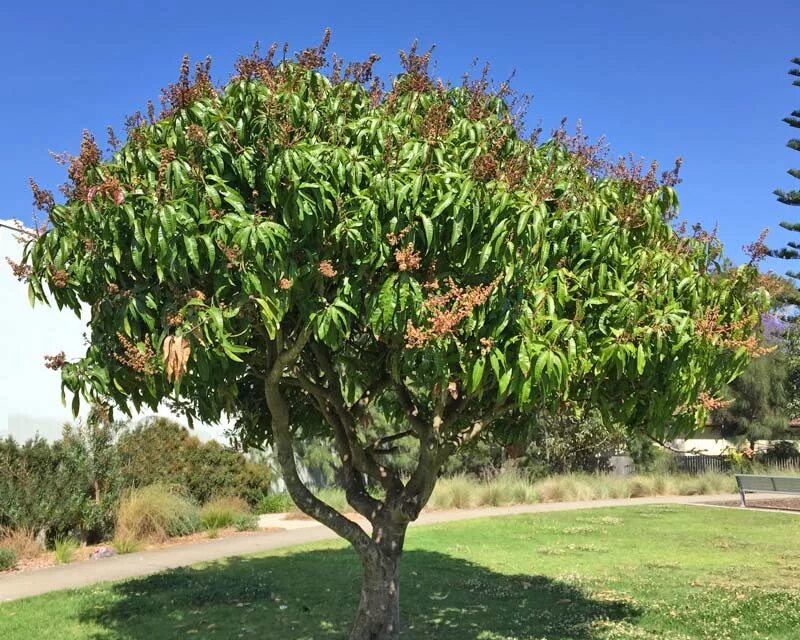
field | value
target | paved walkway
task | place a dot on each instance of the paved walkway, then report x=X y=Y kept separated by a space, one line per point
x=80 y=574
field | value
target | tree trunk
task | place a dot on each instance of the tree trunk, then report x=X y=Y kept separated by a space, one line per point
x=378 y=615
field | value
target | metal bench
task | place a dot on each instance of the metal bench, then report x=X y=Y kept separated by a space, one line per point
x=766 y=484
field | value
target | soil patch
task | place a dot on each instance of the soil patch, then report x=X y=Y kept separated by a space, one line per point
x=777 y=503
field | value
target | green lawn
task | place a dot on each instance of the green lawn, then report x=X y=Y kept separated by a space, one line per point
x=624 y=573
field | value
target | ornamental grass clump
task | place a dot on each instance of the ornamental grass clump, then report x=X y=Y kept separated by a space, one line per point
x=155 y=513
x=22 y=541
x=222 y=511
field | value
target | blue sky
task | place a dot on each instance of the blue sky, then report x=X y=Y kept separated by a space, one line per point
x=705 y=80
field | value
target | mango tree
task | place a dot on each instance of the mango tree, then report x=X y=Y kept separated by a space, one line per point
x=306 y=250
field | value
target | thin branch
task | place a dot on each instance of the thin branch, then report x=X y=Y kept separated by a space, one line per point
x=302 y=496
x=22 y=230
x=288 y=356
x=391 y=438
x=669 y=447
x=389 y=478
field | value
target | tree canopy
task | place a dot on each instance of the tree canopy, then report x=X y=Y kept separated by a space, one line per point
x=791 y=197
x=304 y=250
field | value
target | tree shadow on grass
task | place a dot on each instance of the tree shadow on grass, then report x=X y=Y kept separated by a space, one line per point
x=313 y=594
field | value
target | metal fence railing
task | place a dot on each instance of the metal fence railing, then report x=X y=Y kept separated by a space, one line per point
x=703 y=464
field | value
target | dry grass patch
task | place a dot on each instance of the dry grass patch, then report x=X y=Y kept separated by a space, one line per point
x=21 y=541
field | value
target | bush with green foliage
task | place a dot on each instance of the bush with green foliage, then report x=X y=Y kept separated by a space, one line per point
x=8 y=559
x=275 y=503
x=53 y=488
x=159 y=450
x=72 y=486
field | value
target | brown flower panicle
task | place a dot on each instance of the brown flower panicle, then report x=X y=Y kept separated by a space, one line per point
x=436 y=122
x=407 y=258
x=757 y=250
x=22 y=272
x=140 y=361
x=55 y=362
x=109 y=188
x=314 y=57
x=195 y=133
x=59 y=277
x=724 y=334
x=711 y=403
x=394 y=238
x=446 y=311
x=43 y=199
x=186 y=90
x=326 y=269
x=484 y=167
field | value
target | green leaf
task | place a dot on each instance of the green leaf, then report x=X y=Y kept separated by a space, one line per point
x=191 y=249
x=477 y=373
x=502 y=384
x=524 y=358
x=442 y=205
x=541 y=361
x=640 y=360
x=427 y=226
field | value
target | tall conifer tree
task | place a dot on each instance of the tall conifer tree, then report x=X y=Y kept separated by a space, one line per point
x=791 y=197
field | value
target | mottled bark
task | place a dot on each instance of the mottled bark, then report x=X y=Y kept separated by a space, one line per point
x=378 y=614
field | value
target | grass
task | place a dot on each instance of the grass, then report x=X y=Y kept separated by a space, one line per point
x=222 y=512
x=155 y=513
x=126 y=545
x=511 y=487
x=654 y=573
x=64 y=549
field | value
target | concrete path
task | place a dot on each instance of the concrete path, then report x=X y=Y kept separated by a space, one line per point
x=296 y=531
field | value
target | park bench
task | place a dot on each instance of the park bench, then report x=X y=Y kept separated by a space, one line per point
x=766 y=484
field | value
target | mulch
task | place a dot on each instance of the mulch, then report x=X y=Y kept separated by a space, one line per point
x=84 y=552
x=776 y=504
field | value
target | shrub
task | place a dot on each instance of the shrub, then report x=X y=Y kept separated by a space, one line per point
x=222 y=512
x=64 y=549
x=55 y=488
x=246 y=522
x=160 y=451
x=275 y=503
x=155 y=513
x=8 y=559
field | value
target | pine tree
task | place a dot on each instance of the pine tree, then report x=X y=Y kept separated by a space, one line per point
x=792 y=197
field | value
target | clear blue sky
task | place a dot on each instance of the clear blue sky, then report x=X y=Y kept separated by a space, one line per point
x=704 y=79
